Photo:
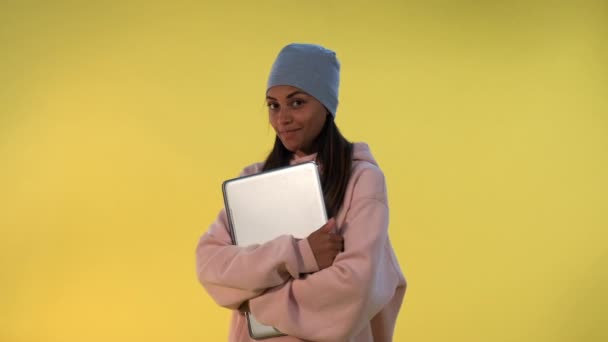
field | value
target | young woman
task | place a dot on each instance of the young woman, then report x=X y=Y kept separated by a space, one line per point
x=341 y=283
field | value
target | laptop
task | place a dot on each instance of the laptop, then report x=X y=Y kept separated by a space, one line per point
x=261 y=207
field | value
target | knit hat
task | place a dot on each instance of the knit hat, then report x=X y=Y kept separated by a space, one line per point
x=310 y=67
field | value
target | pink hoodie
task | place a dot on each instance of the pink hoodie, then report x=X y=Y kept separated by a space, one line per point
x=357 y=299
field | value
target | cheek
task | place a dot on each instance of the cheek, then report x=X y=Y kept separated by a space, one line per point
x=272 y=122
x=320 y=122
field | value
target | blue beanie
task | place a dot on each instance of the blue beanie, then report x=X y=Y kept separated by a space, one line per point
x=312 y=68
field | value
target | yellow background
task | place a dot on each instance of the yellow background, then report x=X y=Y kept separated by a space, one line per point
x=119 y=120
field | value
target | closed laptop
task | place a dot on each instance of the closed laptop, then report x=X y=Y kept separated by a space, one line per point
x=261 y=207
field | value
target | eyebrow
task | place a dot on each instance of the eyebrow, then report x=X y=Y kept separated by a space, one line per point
x=297 y=92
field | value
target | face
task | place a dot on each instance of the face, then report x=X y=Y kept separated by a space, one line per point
x=296 y=117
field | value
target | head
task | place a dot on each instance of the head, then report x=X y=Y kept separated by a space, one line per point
x=297 y=118
x=302 y=99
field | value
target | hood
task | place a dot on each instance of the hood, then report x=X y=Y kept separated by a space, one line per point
x=361 y=152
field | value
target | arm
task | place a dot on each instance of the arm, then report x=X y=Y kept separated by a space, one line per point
x=233 y=274
x=335 y=303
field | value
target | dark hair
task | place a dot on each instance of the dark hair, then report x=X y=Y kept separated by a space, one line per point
x=334 y=154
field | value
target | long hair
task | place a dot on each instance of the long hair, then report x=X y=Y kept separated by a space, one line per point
x=334 y=154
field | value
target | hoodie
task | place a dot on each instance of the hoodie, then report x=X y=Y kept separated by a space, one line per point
x=357 y=299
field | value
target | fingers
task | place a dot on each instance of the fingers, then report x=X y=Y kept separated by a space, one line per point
x=330 y=226
x=336 y=238
x=340 y=246
x=326 y=243
x=337 y=242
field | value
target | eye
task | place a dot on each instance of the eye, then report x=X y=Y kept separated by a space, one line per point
x=297 y=103
x=272 y=105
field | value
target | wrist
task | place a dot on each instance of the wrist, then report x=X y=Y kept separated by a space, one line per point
x=309 y=261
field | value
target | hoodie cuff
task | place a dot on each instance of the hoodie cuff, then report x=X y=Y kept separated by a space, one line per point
x=309 y=262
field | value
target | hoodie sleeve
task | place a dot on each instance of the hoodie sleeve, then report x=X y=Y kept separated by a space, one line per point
x=233 y=274
x=335 y=303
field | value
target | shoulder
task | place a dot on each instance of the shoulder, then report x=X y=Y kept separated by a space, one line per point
x=367 y=181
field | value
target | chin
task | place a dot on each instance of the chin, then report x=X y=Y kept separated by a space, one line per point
x=291 y=148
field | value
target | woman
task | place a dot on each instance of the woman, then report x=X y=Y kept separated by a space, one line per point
x=341 y=283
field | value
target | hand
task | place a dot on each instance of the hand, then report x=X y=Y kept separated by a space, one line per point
x=326 y=244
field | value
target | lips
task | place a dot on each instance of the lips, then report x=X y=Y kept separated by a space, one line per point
x=288 y=133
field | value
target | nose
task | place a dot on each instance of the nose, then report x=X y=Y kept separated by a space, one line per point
x=285 y=116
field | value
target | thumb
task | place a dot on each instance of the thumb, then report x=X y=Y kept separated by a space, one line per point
x=330 y=226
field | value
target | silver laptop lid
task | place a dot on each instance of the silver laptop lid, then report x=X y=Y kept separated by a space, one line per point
x=263 y=206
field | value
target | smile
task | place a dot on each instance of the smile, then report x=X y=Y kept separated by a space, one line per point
x=289 y=132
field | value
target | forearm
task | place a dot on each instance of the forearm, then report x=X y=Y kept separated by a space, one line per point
x=335 y=303
x=233 y=274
